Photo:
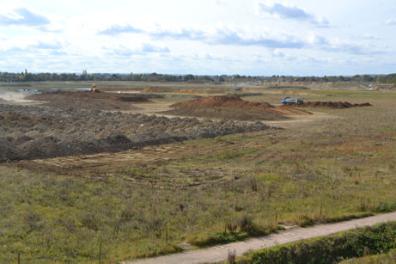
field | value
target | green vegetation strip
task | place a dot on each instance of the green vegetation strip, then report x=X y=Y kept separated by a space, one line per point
x=238 y=230
x=386 y=258
x=373 y=240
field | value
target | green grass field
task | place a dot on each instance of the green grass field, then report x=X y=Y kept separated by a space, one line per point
x=205 y=191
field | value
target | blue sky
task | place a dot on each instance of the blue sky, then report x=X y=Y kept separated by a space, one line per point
x=263 y=37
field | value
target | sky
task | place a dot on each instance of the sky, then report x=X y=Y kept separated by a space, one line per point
x=249 y=37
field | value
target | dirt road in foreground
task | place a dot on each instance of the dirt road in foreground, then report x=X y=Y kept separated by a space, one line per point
x=219 y=253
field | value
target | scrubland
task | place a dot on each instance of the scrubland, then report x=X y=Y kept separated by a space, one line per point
x=195 y=193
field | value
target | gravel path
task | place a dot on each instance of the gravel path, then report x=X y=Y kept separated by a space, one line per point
x=219 y=253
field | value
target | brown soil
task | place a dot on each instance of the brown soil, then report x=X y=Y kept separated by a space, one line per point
x=31 y=132
x=331 y=104
x=154 y=89
x=87 y=100
x=233 y=107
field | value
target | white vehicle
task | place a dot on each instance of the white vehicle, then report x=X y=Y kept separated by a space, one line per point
x=292 y=101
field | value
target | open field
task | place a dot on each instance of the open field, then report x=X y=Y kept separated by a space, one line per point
x=337 y=164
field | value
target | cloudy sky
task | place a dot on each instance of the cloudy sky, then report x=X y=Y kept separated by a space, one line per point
x=256 y=37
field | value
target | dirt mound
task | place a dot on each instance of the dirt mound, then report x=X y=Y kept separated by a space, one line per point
x=231 y=107
x=30 y=132
x=222 y=101
x=334 y=104
x=7 y=150
x=155 y=89
x=88 y=100
x=291 y=110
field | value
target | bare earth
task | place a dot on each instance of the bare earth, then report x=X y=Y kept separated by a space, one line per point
x=300 y=120
x=219 y=253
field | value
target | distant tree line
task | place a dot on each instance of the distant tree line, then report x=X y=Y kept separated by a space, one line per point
x=29 y=77
x=390 y=78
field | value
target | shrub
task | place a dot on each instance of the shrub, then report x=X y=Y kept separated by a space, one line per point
x=240 y=229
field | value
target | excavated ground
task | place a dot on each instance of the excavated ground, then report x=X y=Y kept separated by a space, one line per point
x=30 y=132
x=93 y=101
x=334 y=104
x=233 y=107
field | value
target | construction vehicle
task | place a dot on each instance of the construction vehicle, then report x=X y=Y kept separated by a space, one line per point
x=292 y=101
x=93 y=88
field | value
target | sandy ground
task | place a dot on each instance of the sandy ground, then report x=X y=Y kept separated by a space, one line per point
x=300 y=120
x=154 y=107
x=16 y=99
x=220 y=253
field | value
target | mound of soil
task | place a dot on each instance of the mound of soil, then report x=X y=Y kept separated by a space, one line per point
x=332 y=104
x=155 y=89
x=87 y=100
x=231 y=107
x=223 y=101
x=30 y=132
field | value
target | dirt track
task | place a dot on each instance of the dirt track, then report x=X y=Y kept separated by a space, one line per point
x=219 y=253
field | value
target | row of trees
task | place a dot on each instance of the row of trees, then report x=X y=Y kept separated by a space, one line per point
x=28 y=77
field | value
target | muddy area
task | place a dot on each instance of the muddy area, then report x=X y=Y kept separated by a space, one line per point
x=334 y=104
x=31 y=132
x=93 y=100
x=233 y=108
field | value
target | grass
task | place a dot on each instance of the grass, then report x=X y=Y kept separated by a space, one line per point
x=386 y=258
x=237 y=230
x=199 y=190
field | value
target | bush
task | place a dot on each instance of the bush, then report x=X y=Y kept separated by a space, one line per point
x=240 y=229
x=387 y=258
x=327 y=250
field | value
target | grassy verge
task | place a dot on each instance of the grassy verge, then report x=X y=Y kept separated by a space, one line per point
x=332 y=249
x=244 y=228
x=237 y=230
x=386 y=258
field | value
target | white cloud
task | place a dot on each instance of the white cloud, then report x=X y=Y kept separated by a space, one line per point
x=391 y=22
x=23 y=17
x=206 y=36
x=145 y=49
x=292 y=13
x=118 y=29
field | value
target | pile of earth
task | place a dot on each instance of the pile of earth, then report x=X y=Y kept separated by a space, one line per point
x=155 y=89
x=30 y=132
x=232 y=107
x=333 y=104
x=88 y=100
